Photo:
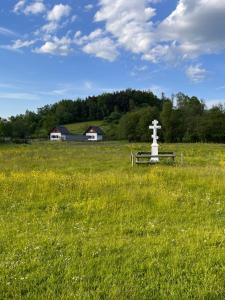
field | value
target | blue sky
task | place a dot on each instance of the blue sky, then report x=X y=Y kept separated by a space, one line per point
x=53 y=50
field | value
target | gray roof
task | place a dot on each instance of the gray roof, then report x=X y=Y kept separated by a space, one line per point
x=95 y=129
x=61 y=129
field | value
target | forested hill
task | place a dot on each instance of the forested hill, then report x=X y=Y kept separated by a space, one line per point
x=127 y=115
x=71 y=111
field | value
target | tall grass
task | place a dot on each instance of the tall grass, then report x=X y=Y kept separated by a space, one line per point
x=81 y=127
x=78 y=222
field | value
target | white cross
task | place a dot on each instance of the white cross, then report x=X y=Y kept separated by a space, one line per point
x=155 y=127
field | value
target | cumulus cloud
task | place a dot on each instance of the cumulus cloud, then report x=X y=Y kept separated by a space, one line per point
x=54 y=16
x=102 y=48
x=97 y=44
x=58 y=12
x=46 y=34
x=129 y=22
x=35 y=8
x=194 y=28
x=56 y=46
x=196 y=73
x=198 y=27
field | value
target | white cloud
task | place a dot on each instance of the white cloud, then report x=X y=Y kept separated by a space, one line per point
x=19 y=6
x=18 y=45
x=129 y=22
x=98 y=44
x=88 y=7
x=54 y=16
x=58 y=12
x=194 y=28
x=80 y=40
x=6 y=31
x=21 y=44
x=196 y=73
x=168 y=53
x=35 y=8
x=50 y=27
x=102 y=48
x=56 y=46
x=198 y=27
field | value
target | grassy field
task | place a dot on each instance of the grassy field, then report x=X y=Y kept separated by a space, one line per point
x=78 y=222
x=79 y=128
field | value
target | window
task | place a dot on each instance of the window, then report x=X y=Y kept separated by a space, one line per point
x=55 y=136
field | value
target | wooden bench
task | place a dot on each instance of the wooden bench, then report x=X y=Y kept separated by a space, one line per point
x=145 y=157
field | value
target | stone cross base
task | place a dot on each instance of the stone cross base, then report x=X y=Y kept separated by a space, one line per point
x=155 y=151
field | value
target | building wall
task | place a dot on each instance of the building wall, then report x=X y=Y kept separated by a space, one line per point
x=92 y=136
x=55 y=136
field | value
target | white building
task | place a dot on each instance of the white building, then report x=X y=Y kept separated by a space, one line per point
x=94 y=133
x=60 y=133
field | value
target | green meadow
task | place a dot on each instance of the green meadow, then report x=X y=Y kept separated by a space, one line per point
x=78 y=222
x=80 y=127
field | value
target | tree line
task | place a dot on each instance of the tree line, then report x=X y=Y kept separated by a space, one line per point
x=128 y=115
x=188 y=120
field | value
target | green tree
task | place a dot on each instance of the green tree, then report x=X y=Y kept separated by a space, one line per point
x=127 y=126
x=146 y=116
x=166 y=120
